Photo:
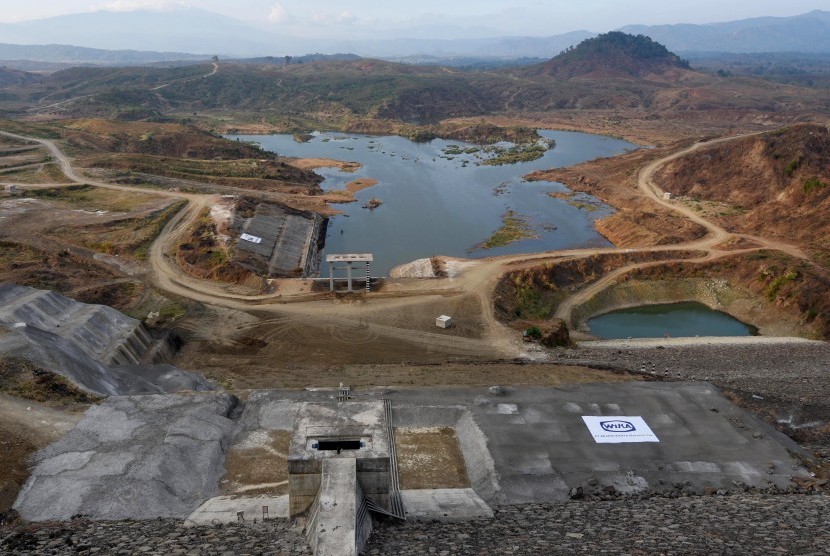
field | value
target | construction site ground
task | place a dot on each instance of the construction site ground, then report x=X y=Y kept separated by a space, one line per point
x=292 y=337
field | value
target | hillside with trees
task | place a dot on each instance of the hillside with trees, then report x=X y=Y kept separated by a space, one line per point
x=613 y=54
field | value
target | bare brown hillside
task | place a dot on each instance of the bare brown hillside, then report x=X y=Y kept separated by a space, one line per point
x=775 y=184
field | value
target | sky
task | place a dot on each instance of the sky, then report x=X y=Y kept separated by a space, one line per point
x=353 y=18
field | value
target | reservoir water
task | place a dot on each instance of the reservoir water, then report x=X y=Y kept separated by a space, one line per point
x=677 y=320
x=438 y=203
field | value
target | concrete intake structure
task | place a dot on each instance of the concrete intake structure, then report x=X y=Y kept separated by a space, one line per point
x=349 y=260
x=339 y=430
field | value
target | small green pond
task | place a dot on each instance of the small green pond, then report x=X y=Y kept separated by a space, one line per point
x=676 y=320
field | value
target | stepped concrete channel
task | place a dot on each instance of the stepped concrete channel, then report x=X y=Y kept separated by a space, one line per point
x=98 y=348
x=164 y=456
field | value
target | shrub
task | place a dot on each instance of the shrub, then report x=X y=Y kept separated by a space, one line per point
x=812 y=184
x=791 y=167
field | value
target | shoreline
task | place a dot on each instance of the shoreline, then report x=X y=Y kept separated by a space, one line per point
x=649 y=343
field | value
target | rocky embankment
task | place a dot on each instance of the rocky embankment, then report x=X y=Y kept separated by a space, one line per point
x=166 y=537
x=786 y=524
x=735 y=524
x=783 y=380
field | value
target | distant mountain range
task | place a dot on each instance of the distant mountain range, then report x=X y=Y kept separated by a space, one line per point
x=809 y=32
x=148 y=36
x=61 y=55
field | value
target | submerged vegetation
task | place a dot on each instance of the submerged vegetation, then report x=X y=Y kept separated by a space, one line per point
x=514 y=228
x=518 y=153
x=500 y=155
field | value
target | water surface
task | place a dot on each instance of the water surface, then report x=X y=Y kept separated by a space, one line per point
x=676 y=320
x=440 y=204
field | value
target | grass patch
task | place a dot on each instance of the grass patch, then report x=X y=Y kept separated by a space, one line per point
x=812 y=184
x=48 y=173
x=590 y=207
x=171 y=311
x=773 y=288
x=21 y=378
x=514 y=228
x=131 y=237
x=13 y=255
x=455 y=150
x=791 y=167
x=87 y=197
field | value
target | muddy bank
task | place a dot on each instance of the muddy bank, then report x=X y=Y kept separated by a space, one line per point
x=534 y=293
x=315 y=163
x=785 y=288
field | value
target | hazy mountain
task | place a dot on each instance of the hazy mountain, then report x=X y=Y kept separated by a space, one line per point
x=78 y=55
x=207 y=33
x=203 y=32
x=500 y=47
x=183 y=30
x=809 y=32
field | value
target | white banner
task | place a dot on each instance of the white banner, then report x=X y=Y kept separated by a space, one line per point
x=615 y=430
x=252 y=239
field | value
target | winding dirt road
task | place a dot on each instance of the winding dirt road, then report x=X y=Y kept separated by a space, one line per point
x=477 y=281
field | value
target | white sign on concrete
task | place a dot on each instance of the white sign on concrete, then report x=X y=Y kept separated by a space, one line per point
x=252 y=239
x=615 y=430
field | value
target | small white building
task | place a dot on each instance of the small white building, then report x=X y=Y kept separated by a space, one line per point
x=443 y=321
x=667 y=196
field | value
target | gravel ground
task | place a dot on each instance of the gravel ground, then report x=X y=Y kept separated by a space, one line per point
x=167 y=537
x=734 y=524
x=796 y=374
x=784 y=524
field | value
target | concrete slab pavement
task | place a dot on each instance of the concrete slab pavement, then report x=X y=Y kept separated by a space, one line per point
x=445 y=504
x=225 y=509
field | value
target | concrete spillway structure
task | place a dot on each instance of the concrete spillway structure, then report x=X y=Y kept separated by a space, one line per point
x=279 y=241
x=341 y=466
x=339 y=522
x=149 y=456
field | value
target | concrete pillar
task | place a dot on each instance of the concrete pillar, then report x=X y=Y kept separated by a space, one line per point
x=331 y=277
x=349 y=271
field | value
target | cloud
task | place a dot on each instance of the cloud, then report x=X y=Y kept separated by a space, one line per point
x=133 y=5
x=279 y=14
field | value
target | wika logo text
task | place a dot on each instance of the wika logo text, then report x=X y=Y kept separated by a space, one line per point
x=617 y=426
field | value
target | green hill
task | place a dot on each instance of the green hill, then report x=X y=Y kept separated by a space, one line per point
x=613 y=55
